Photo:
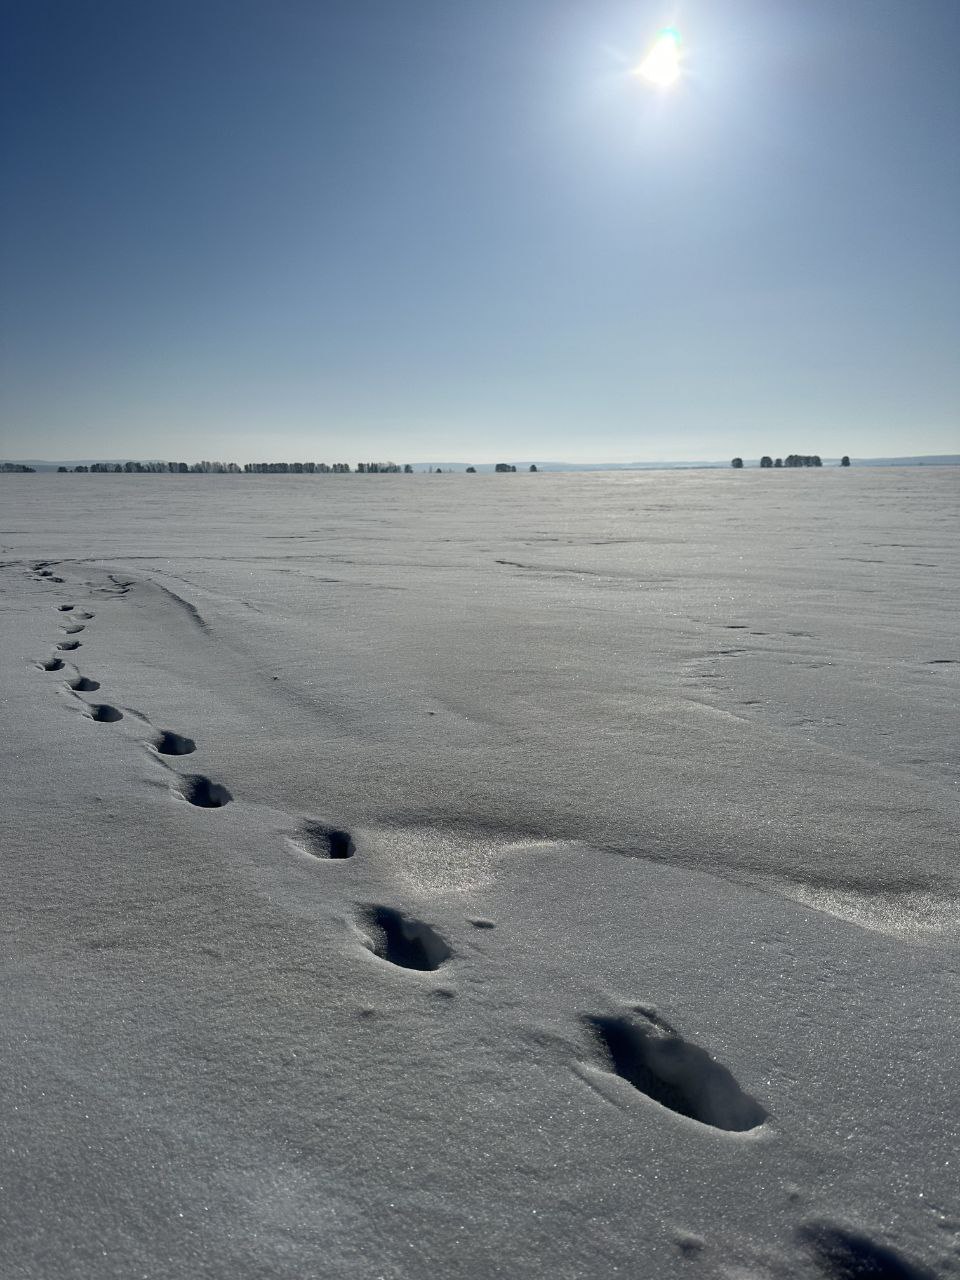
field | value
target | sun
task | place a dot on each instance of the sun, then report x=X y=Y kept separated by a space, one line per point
x=661 y=66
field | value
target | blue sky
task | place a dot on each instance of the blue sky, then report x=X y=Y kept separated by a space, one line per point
x=463 y=230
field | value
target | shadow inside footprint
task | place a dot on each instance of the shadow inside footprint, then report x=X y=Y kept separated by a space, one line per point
x=324 y=841
x=83 y=684
x=200 y=791
x=68 y=645
x=169 y=743
x=848 y=1255
x=104 y=713
x=51 y=664
x=649 y=1054
x=403 y=941
x=64 y=608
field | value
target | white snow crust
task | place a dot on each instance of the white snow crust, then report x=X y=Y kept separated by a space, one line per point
x=480 y=876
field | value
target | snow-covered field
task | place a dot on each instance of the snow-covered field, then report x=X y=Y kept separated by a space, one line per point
x=467 y=876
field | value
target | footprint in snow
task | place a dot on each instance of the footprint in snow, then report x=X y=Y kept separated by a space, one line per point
x=73 y=629
x=323 y=841
x=83 y=684
x=201 y=792
x=842 y=1254
x=103 y=712
x=51 y=664
x=402 y=940
x=168 y=743
x=68 y=645
x=651 y=1055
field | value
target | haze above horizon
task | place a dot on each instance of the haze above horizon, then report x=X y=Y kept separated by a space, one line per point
x=363 y=230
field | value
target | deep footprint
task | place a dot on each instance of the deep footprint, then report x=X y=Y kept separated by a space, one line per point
x=82 y=684
x=403 y=941
x=64 y=608
x=324 y=841
x=51 y=664
x=200 y=791
x=169 y=743
x=104 y=713
x=648 y=1053
x=847 y=1255
x=68 y=645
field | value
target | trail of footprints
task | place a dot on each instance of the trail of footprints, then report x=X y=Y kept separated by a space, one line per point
x=637 y=1046
x=192 y=787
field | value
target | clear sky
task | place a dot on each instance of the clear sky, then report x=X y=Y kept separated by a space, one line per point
x=462 y=229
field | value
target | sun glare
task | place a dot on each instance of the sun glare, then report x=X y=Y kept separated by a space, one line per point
x=661 y=66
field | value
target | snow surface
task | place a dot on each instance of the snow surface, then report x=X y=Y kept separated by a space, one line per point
x=465 y=876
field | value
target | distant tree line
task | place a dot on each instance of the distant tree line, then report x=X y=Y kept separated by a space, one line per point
x=791 y=460
x=21 y=467
x=232 y=468
x=181 y=468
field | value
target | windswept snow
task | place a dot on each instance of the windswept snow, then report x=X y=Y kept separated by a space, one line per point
x=466 y=876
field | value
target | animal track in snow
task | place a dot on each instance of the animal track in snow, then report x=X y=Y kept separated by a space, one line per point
x=51 y=664
x=83 y=615
x=404 y=941
x=103 y=712
x=64 y=608
x=73 y=629
x=201 y=792
x=648 y=1053
x=169 y=743
x=69 y=645
x=82 y=684
x=323 y=841
x=849 y=1255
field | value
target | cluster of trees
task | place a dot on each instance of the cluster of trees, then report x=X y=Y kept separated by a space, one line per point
x=791 y=460
x=16 y=466
x=325 y=468
x=296 y=468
